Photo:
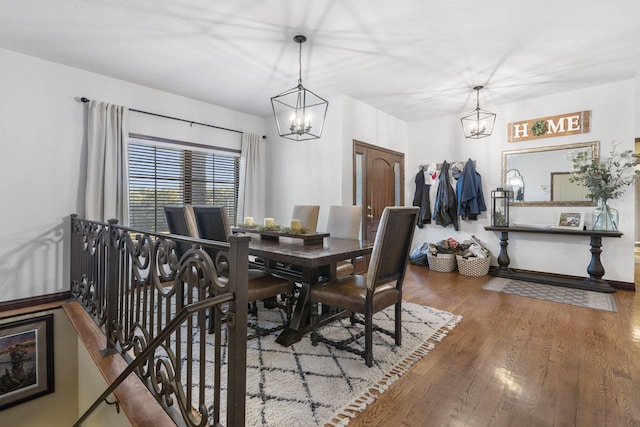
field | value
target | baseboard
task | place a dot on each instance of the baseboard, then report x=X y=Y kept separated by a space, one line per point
x=33 y=302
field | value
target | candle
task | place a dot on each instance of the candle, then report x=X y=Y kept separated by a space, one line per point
x=268 y=222
x=296 y=224
x=248 y=220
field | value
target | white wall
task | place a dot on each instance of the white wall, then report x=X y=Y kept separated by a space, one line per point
x=613 y=113
x=43 y=157
x=320 y=172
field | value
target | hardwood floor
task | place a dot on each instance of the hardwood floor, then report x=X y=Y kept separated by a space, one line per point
x=516 y=361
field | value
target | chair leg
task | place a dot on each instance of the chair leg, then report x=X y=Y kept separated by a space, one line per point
x=314 y=323
x=368 y=338
x=398 y=323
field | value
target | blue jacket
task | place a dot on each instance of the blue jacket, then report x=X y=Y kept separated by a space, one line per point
x=469 y=193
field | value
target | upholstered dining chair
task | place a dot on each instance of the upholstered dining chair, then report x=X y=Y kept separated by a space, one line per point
x=213 y=224
x=308 y=216
x=344 y=222
x=379 y=289
x=181 y=224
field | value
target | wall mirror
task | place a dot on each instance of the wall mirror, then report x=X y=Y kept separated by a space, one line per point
x=540 y=176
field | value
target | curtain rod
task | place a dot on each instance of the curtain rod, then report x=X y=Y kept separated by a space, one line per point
x=85 y=100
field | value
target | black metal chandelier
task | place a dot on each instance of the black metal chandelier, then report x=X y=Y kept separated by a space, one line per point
x=478 y=123
x=299 y=113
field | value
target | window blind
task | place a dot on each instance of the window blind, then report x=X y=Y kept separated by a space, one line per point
x=160 y=175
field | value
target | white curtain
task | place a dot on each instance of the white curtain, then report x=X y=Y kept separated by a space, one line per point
x=106 y=194
x=251 y=194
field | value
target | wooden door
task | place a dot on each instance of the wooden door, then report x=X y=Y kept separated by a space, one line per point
x=378 y=182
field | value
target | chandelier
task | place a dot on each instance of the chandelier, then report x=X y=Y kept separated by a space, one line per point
x=299 y=113
x=478 y=123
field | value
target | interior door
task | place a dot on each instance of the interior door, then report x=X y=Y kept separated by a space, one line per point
x=378 y=183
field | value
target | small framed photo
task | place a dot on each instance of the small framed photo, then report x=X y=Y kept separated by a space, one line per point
x=26 y=360
x=570 y=220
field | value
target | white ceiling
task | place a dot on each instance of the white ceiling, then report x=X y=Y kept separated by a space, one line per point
x=414 y=59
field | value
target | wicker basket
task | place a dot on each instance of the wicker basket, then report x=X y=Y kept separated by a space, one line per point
x=473 y=266
x=444 y=263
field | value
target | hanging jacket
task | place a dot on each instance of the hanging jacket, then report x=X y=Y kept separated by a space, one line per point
x=421 y=199
x=445 y=209
x=470 y=199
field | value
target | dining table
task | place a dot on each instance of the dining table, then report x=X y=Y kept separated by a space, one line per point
x=306 y=264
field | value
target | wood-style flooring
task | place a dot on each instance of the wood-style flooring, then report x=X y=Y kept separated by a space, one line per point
x=516 y=361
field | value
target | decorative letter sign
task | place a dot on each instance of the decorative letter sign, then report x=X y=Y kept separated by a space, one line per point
x=545 y=127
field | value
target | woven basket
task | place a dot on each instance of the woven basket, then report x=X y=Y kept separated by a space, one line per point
x=444 y=263
x=473 y=266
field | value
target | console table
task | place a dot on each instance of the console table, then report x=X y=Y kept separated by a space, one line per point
x=595 y=269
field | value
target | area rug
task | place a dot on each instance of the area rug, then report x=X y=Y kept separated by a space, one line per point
x=579 y=297
x=303 y=385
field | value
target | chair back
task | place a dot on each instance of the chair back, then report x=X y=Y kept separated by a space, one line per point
x=212 y=222
x=178 y=224
x=392 y=245
x=344 y=221
x=308 y=216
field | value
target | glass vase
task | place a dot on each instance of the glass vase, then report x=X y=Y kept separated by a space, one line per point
x=605 y=218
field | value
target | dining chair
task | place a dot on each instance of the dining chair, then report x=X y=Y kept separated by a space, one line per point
x=308 y=216
x=379 y=289
x=180 y=224
x=213 y=224
x=344 y=222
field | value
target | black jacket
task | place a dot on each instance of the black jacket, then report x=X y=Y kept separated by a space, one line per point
x=421 y=199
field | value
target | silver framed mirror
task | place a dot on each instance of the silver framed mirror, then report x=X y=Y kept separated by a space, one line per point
x=544 y=172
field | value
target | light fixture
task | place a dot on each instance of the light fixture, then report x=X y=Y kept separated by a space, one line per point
x=299 y=113
x=478 y=123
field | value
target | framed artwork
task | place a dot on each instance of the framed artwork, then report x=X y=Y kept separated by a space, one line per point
x=26 y=359
x=570 y=220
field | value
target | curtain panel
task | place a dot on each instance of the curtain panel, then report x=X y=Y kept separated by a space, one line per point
x=107 y=193
x=251 y=192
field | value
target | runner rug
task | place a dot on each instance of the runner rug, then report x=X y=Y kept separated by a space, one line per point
x=303 y=385
x=579 y=297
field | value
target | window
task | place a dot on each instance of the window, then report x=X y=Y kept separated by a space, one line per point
x=160 y=175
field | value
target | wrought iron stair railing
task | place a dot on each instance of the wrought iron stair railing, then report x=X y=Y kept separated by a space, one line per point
x=151 y=301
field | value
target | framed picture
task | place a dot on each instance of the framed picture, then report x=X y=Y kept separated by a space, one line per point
x=570 y=220
x=26 y=359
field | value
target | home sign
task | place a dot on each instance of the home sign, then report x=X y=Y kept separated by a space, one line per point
x=546 y=127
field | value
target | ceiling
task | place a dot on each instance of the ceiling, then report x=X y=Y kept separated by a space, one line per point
x=414 y=59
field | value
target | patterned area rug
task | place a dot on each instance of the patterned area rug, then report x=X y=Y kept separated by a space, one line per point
x=579 y=297
x=303 y=385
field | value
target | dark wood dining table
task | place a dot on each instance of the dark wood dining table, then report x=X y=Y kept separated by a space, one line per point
x=306 y=264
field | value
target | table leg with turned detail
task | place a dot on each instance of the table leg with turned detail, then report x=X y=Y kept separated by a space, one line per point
x=503 y=257
x=596 y=269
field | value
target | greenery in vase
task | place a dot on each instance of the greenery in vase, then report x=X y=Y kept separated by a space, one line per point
x=605 y=178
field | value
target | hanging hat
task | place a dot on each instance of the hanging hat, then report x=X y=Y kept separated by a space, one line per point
x=456 y=170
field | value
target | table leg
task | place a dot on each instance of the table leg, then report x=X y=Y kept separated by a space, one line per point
x=596 y=269
x=503 y=257
x=299 y=324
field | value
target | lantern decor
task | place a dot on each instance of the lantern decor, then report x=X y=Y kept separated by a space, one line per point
x=500 y=207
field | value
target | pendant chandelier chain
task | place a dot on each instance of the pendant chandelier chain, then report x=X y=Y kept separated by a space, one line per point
x=300 y=64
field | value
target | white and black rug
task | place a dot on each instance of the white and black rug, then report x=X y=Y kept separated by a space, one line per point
x=579 y=297
x=303 y=385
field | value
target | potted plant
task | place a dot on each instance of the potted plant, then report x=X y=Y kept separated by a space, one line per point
x=606 y=179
